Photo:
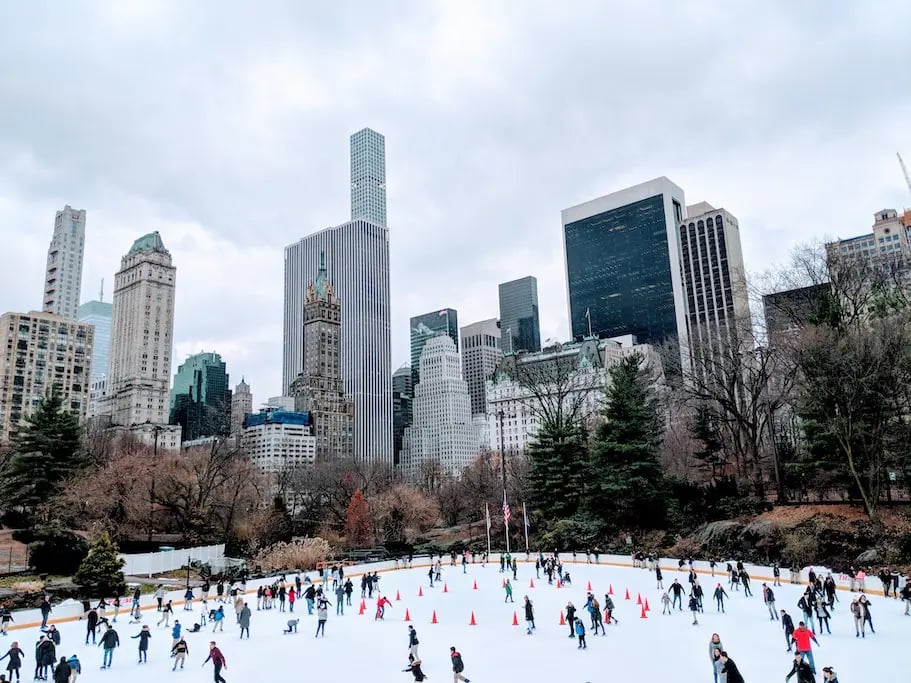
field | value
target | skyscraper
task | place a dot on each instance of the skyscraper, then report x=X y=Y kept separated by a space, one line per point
x=714 y=284
x=623 y=264
x=402 y=404
x=357 y=255
x=442 y=433
x=318 y=390
x=98 y=314
x=200 y=397
x=425 y=327
x=520 y=329
x=42 y=351
x=63 y=277
x=368 y=176
x=241 y=406
x=142 y=329
x=480 y=355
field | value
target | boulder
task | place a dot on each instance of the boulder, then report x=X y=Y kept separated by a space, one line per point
x=716 y=534
x=870 y=556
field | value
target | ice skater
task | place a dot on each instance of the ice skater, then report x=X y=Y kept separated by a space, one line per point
x=720 y=594
x=179 y=652
x=414 y=668
x=413 y=643
x=530 y=616
x=322 y=614
x=458 y=666
x=145 y=635
x=768 y=598
x=804 y=671
x=218 y=661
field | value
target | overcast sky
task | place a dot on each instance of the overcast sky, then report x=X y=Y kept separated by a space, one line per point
x=224 y=125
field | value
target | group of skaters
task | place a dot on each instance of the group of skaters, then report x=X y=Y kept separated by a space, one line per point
x=597 y=618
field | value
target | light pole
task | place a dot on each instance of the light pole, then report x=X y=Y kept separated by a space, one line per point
x=156 y=430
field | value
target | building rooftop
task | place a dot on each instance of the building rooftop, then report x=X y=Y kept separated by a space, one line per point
x=150 y=242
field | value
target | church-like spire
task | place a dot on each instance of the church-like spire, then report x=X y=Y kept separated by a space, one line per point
x=321 y=289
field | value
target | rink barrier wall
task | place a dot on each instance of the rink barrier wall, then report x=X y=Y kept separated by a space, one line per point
x=758 y=573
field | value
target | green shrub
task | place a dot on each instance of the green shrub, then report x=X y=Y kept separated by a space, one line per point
x=56 y=551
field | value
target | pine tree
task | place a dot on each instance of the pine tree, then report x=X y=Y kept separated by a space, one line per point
x=358 y=525
x=47 y=449
x=627 y=481
x=558 y=459
x=102 y=568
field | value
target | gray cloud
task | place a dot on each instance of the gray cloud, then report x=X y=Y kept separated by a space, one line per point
x=225 y=126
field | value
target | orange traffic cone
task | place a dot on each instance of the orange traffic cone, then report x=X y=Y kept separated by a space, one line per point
x=589 y=585
x=643 y=615
x=562 y=619
x=363 y=607
x=397 y=596
x=434 y=619
x=559 y=585
x=504 y=584
x=531 y=584
x=407 y=615
x=610 y=589
x=445 y=588
x=475 y=587
x=420 y=591
x=472 y=622
x=647 y=608
x=515 y=619
x=638 y=599
x=627 y=594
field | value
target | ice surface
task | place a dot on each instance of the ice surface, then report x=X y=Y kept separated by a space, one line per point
x=358 y=648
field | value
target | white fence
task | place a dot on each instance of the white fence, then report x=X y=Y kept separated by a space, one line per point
x=169 y=560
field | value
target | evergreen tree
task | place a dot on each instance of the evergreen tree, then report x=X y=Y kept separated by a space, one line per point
x=102 y=569
x=628 y=488
x=47 y=449
x=558 y=457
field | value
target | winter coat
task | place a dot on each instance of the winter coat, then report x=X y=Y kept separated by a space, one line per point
x=570 y=613
x=803 y=671
x=175 y=632
x=245 y=615
x=457 y=665
x=321 y=612
x=110 y=639
x=767 y=595
x=732 y=673
x=144 y=637
x=580 y=628
x=46 y=653
x=54 y=635
x=712 y=647
x=218 y=659
x=529 y=611
x=16 y=655
x=413 y=638
x=787 y=623
x=92 y=620
x=75 y=664
x=416 y=671
x=62 y=673
x=181 y=648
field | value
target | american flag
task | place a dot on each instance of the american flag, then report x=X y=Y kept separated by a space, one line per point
x=506 y=512
x=443 y=312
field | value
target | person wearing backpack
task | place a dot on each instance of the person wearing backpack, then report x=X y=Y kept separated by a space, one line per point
x=458 y=666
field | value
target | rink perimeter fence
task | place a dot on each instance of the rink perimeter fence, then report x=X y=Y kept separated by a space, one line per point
x=150 y=564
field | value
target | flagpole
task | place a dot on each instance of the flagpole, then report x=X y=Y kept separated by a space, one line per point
x=506 y=520
x=525 y=521
x=487 y=509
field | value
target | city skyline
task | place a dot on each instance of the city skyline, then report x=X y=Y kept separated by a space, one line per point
x=473 y=207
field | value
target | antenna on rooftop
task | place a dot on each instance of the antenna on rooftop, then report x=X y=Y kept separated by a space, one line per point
x=101 y=293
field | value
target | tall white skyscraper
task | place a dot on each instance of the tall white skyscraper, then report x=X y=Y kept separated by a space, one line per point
x=357 y=262
x=98 y=314
x=480 y=355
x=442 y=432
x=63 y=277
x=142 y=330
x=241 y=406
x=368 y=176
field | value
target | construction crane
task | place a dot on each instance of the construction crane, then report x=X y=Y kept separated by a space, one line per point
x=904 y=170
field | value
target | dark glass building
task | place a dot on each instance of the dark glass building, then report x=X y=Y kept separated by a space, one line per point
x=622 y=264
x=427 y=326
x=402 y=408
x=520 y=328
x=200 y=398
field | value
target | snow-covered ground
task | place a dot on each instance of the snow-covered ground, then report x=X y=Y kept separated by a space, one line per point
x=358 y=648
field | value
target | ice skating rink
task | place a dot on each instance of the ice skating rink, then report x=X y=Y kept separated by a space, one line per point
x=358 y=648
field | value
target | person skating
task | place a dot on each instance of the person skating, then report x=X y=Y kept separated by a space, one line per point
x=218 y=662
x=658 y=577
x=776 y=574
x=175 y=632
x=787 y=625
x=412 y=643
x=729 y=671
x=802 y=637
x=508 y=589
x=571 y=618
x=694 y=608
x=179 y=652
x=715 y=650
x=54 y=634
x=804 y=671
x=75 y=668
x=822 y=617
x=580 y=635
x=166 y=613
x=349 y=588
x=666 y=604
x=188 y=600
x=322 y=614
x=381 y=603
x=458 y=666
x=677 y=592
x=530 y=616
x=45 y=657
x=292 y=626
x=720 y=594
x=45 y=612
x=745 y=580
x=144 y=636
x=414 y=668
x=91 y=626
x=245 y=615
x=109 y=640
x=865 y=608
x=717 y=664
x=62 y=671
x=339 y=599
x=828 y=675
x=15 y=656
x=609 y=610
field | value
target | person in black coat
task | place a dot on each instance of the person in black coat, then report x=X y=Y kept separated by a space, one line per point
x=45 y=657
x=802 y=669
x=730 y=669
x=415 y=669
x=91 y=626
x=62 y=671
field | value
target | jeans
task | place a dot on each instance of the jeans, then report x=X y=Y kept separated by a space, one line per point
x=243 y=629
x=772 y=613
x=787 y=638
x=218 y=678
x=719 y=604
x=340 y=607
x=678 y=601
x=321 y=626
x=809 y=621
x=808 y=654
x=108 y=656
x=309 y=605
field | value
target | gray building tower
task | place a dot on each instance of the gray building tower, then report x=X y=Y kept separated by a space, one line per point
x=480 y=356
x=241 y=406
x=63 y=276
x=520 y=328
x=357 y=255
x=423 y=328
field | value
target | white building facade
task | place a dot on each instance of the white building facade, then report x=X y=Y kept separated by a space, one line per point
x=357 y=260
x=63 y=275
x=142 y=329
x=481 y=354
x=277 y=441
x=241 y=406
x=442 y=431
